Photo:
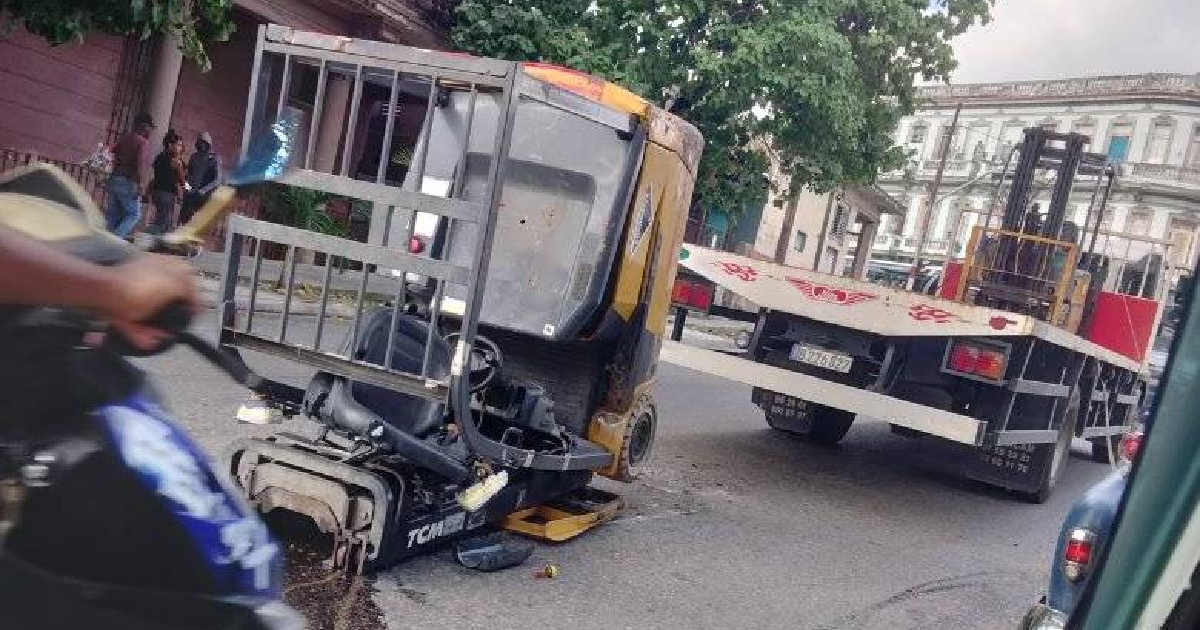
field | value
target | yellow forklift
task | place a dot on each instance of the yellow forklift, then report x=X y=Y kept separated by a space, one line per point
x=504 y=322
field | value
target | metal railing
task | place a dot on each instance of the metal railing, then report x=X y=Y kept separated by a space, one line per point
x=1018 y=272
x=91 y=181
x=281 y=55
x=1165 y=172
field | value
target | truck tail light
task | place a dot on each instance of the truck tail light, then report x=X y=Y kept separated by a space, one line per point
x=1078 y=553
x=977 y=359
x=692 y=294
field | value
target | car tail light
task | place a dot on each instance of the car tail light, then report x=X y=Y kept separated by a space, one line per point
x=692 y=294
x=977 y=359
x=1078 y=553
x=415 y=245
x=1130 y=444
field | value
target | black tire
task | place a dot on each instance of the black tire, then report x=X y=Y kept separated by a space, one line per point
x=637 y=445
x=829 y=425
x=1059 y=456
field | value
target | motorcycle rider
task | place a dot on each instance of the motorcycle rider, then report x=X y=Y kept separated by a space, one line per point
x=35 y=274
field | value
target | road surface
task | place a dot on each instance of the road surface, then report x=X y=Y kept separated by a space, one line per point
x=735 y=526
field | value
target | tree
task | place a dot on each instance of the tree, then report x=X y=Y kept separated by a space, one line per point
x=195 y=22
x=823 y=81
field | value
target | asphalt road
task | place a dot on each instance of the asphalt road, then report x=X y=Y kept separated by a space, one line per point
x=735 y=527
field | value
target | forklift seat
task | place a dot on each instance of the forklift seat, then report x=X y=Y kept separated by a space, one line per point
x=409 y=414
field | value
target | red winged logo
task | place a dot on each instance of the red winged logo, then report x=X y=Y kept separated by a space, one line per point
x=833 y=295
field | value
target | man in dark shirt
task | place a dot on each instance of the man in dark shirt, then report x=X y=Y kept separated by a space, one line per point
x=203 y=176
x=130 y=177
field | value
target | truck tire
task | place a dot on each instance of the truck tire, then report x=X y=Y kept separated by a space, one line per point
x=828 y=425
x=1059 y=456
x=1100 y=446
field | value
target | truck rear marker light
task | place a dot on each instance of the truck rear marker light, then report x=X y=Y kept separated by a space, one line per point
x=977 y=359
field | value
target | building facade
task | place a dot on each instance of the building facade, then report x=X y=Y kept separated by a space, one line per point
x=1148 y=125
x=61 y=102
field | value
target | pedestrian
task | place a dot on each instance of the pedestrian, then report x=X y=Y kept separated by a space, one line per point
x=170 y=175
x=203 y=176
x=130 y=177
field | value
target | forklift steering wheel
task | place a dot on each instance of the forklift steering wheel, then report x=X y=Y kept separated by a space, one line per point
x=486 y=360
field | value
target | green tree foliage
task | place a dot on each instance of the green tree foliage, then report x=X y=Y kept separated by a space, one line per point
x=66 y=21
x=824 y=80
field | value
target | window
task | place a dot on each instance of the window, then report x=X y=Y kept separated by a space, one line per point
x=1193 y=151
x=1139 y=222
x=841 y=219
x=1010 y=136
x=1118 y=142
x=916 y=135
x=800 y=241
x=1086 y=126
x=1159 y=142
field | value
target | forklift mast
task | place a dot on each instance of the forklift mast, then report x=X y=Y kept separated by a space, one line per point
x=1029 y=263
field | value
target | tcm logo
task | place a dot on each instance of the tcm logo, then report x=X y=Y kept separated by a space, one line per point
x=446 y=527
x=833 y=295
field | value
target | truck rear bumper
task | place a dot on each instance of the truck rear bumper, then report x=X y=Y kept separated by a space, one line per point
x=944 y=424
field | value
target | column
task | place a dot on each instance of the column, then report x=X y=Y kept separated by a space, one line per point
x=332 y=124
x=164 y=82
x=1159 y=221
x=866 y=243
x=1137 y=143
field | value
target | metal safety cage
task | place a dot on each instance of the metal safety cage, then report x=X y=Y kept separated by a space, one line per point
x=283 y=77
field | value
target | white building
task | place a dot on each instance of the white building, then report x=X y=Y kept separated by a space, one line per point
x=1150 y=124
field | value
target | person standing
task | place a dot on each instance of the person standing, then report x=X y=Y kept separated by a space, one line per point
x=130 y=177
x=170 y=174
x=203 y=176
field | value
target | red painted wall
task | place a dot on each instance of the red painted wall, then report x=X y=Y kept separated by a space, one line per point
x=216 y=101
x=56 y=101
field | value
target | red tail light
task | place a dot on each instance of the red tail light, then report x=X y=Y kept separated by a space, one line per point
x=1078 y=551
x=1131 y=443
x=692 y=295
x=415 y=246
x=1077 y=556
x=977 y=359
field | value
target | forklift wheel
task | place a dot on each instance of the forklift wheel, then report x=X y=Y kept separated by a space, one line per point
x=637 y=444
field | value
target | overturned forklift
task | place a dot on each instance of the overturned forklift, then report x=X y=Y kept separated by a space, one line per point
x=494 y=345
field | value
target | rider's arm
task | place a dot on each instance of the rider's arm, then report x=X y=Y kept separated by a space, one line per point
x=35 y=274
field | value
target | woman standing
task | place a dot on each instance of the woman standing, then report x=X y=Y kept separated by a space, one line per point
x=170 y=173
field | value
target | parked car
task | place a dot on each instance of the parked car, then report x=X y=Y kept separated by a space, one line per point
x=1082 y=540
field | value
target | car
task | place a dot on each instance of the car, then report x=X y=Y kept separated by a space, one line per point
x=1082 y=541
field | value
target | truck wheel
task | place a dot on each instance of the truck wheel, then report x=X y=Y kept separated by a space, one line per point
x=1059 y=456
x=826 y=425
x=1100 y=446
x=637 y=444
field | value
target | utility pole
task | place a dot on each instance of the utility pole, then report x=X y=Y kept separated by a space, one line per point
x=923 y=223
x=785 y=230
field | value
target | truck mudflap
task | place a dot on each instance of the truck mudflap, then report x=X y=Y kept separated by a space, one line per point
x=951 y=426
x=1019 y=467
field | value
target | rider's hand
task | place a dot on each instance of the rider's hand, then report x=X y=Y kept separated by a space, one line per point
x=140 y=289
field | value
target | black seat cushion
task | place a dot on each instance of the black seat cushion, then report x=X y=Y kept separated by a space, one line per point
x=413 y=415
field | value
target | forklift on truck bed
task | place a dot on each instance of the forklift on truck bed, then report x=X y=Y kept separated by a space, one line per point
x=521 y=287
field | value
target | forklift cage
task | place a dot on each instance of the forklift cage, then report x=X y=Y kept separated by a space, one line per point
x=399 y=68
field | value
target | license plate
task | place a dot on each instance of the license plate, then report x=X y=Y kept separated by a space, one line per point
x=828 y=359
